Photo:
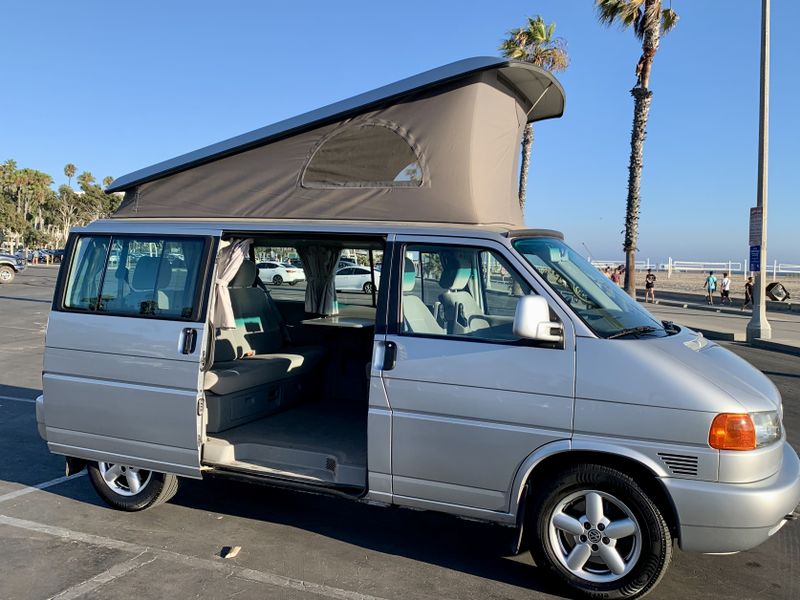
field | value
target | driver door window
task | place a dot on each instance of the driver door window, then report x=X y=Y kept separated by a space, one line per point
x=459 y=291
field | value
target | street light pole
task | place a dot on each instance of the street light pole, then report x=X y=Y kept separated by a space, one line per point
x=759 y=327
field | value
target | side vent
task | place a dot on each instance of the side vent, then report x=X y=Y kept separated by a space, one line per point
x=680 y=464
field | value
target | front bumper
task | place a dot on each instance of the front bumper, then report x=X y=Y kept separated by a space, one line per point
x=731 y=517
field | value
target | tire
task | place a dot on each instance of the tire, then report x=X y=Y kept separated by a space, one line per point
x=277 y=280
x=7 y=274
x=156 y=488
x=367 y=289
x=562 y=514
x=292 y=282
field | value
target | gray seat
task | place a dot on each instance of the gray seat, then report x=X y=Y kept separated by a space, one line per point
x=417 y=318
x=255 y=371
x=460 y=310
x=150 y=276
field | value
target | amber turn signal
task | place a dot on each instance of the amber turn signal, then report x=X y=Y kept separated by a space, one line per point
x=732 y=431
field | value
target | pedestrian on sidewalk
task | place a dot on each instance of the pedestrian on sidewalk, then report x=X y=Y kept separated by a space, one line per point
x=725 y=292
x=748 y=293
x=650 y=287
x=615 y=276
x=711 y=287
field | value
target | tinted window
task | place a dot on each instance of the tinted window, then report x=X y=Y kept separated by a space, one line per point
x=365 y=155
x=346 y=271
x=143 y=276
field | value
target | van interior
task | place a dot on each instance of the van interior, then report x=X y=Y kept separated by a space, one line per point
x=287 y=389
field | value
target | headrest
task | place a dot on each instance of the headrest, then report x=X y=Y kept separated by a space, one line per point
x=144 y=274
x=409 y=275
x=245 y=276
x=455 y=271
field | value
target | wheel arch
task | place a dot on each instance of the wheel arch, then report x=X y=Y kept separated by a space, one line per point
x=562 y=454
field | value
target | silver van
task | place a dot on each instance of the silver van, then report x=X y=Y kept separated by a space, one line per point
x=493 y=374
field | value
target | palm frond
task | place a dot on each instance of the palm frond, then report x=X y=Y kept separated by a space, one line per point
x=669 y=18
x=535 y=44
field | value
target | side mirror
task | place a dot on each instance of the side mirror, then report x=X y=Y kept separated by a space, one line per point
x=532 y=321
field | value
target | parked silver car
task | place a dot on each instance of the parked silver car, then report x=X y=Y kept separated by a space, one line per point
x=494 y=354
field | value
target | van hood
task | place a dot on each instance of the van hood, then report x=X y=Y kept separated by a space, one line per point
x=722 y=368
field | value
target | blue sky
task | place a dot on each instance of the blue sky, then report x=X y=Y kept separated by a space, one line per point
x=113 y=87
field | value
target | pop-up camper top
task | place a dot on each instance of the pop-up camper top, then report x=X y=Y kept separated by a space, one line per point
x=441 y=147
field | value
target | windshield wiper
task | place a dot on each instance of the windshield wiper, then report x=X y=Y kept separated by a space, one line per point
x=632 y=331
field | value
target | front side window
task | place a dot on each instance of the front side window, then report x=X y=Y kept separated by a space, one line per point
x=364 y=155
x=463 y=292
x=597 y=300
x=136 y=276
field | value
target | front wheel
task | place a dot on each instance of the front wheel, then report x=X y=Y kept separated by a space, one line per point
x=7 y=274
x=368 y=287
x=129 y=488
x=600 y=533
x=277 y=280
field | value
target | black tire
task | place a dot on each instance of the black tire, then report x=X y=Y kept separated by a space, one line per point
x=550 y=546
x=7 y=274
x=159 y=488
x=277 y=280
x=367 y=287
x=293 y=282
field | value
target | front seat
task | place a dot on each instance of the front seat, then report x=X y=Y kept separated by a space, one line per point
x=417 y=318
x=150 y=276
x=461 y=312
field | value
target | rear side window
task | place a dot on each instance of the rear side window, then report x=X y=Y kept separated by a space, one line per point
x=136 y=276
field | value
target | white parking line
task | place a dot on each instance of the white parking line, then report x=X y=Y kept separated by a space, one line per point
x=18 y=399
x=39 y=486
x=191 y=561
x=107 y=576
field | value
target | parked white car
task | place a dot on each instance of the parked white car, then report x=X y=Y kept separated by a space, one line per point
x=278 y=273
x=356 y=279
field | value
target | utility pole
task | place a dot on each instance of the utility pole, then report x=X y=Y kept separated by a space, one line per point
x=759 y=327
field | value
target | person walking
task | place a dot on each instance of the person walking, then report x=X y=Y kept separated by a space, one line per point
x=650 y=287
x=748 y=293
x=711 y=287
x=615 y=276
x=725 y=289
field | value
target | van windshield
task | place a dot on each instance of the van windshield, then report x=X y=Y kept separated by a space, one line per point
x=597 y=300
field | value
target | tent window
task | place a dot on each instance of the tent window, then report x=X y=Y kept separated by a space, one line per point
x=366 y=155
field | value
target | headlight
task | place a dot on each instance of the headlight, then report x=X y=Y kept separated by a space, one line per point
x=744 y=431
x=768 y=427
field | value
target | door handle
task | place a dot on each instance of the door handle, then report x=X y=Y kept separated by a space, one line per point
x=389 y=356
x=189 y=340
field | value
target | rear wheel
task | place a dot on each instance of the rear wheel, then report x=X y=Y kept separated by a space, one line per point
x=6 y=274
x=368 y=287
x=600 y=533
x=277 y=280
x=130 y=488
x=292 y=282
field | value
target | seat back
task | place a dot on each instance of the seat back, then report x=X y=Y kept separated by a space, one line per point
x=461 y=312
x=150 y=276
x=417 y=317
x=257 y=327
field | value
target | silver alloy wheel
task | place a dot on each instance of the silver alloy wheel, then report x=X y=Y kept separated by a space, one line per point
x=595 y=536
x=124 y=480
x=6 y=274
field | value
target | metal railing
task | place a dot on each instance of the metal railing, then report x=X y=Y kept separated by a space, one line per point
x=688 y=266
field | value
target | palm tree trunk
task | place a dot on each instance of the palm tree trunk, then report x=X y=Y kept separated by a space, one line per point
x=527 y=144
x=641 y=109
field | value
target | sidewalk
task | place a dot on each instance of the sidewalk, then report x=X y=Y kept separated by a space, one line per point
x=731 y=324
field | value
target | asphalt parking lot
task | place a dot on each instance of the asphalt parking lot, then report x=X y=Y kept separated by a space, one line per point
x=59 y=541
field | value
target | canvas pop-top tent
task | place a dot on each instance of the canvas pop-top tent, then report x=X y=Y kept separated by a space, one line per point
x=441 y=146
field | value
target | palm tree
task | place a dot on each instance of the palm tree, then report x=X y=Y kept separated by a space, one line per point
x=534 y=43
x=69 y=171
x=648 y=21
x=86 y=181
x=107 y=181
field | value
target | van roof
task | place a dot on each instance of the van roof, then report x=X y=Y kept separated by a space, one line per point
x=290 y=226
